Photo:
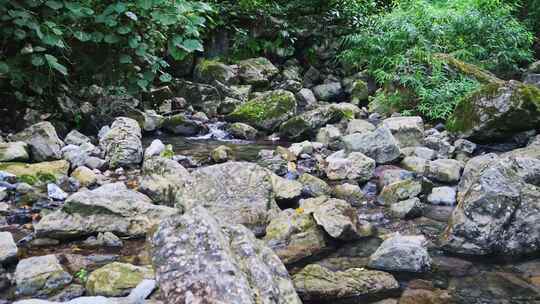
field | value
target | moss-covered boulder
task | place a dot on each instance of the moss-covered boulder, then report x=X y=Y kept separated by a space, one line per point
x=497 y=110
x=257 y=71
x=34 y=173
x=209 y=70
x=117 y=279
x=267 y=111
x=306 y=125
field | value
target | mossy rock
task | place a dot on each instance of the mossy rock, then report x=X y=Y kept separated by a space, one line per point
x=40 y=172
x=209 y=70
x=470 y=70
x=267 y=111
x=117 y=279
x=360 y=92
x=257 y=71
x=495 y=111
x=305 y=126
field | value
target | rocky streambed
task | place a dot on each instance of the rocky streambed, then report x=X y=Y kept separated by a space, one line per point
x=354 y=206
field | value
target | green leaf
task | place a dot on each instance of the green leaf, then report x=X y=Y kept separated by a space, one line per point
x=165 y=77
x=123 y=30
x=4 y=68
x=145 y=4
x=97 y=37
x=55 y=5
x=82 y=36
x=38 y=60
x=134 y=41
x=111 y=38
x=53 y=63
x=191 y=45
x=143 y=84
x=177 y=53
x=125 y=59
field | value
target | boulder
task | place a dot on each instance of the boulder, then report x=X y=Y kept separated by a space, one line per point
x=351 y=193
x=78 y=155
x=444 y=170
x=407 y=209
x=76 y=138
x=222 y=154
x=317 y=283
x=359 y=126
x=306 y=98
x=314 y=186
x=379 y=145
x=496 y=111
x=44 y=172
x=40 y=276
x=8 y=248
x=243 y=131
x=338 y=218
x=305 y=125
x=14 y=151
x=399 y=190
x=285 y=189
x=351 y=166
x=266 y=111
x=234 y=192
x=498 y=207
x=257 y=71
x=408 y=131
x=208 y=71
x=414 y=164
x=122 y=143
x=330 y=136
x=328 y=91
x=199 y=261
x=442 y=196
x=402 y=253
x=43 y=141
x=202 y=97
x=84 y=176
x=294 y=235
x=180 y=124
x=117 y=279
x=152 y=121
x=109 y=208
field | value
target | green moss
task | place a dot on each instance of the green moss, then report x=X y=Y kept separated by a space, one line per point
x=28 y=179
x=295 y=128
x=174 y=120
x=471 y=70
x=46 y=177
x=527 y=95
x=271 y=105
x=168 y=152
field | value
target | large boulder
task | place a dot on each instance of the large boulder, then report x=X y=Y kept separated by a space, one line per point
x=352 y=166
x=379 y=144
x=266 y=111
x=305 y=125
x=294 y=235
x=109 y=208
x=40 y=276
x=8 y=248
x=197 y=260
x=202 y=97
x=162 y=180
x=180 y=124
x=498 y=208
x=14 y=151
x=408 y=131
x=496 y=111
x=117 y=279
x=122 y=143
x=43 y=141
x=402 y=253
x=235 y=192
x=317 y=283
x=208 y=71
x=257 y=71
x=329 y=91
x=40 y=172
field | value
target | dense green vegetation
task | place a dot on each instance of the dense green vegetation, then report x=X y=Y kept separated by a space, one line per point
x=135 y=44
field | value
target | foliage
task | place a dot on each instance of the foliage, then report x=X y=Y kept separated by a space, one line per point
x=94 y=41
x=400 y=50
x=82 y=275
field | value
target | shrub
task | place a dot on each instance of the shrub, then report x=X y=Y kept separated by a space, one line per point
x=400 y=50
x=100 y=42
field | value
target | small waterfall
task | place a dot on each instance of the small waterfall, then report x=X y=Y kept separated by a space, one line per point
x=215 y=131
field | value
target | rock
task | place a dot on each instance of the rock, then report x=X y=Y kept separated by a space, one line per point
x=317 y=283
x=14 y=151
x=44 y=172
x=352 y=166
x=350 y=193
x=440 y=142
x=305 y=125
x=490 y=112
x=313 y=186
x=306 y=98
x=116 y=279
x=78 y=155
x=109 y=208
x=359 y=126
x=40 y=276
x=338 y=218
x=95 y=163
x=243 y=131
x=497 y=210
x=442 y=196
x=207 y=71
x=162 y=180
x=379 y=145
x=297 y=149
x=330 y=136
x=106 y=239
x=122 y=143
x=180 y=124
x=202 y=97
x=76 y=138
x=402 y=253
x=398 y=191
x=285 y=189
x=420 y=152
x=414 y=164
x=266 y=111
x=196 y=260
x=152 y=121
x=84 y=176
x=407 y=209
x=8 y=248
x=43 y=141
x=257 y=71
x=294 y=235
x=156 y=148
x=408 y=131
x=55 y=193
x=234 y=192
x=359 y=92
x=328 y=91
x=444 y=170
x=222 y=154
x=427 y=296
